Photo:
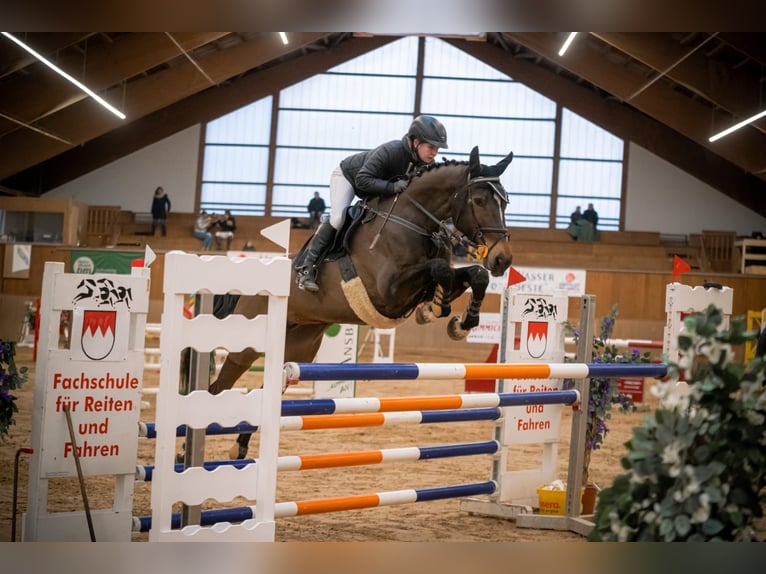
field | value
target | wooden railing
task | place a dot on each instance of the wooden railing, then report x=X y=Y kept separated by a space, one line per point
x=718 y=251
x=103 y=228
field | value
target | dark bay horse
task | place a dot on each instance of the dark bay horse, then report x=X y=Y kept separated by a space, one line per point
x=399 y=259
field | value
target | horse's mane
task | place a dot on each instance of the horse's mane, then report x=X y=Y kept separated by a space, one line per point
x=434 y=166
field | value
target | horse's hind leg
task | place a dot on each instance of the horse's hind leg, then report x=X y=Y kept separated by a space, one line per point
x=439 y=306
x=301 y=345
x=235 y=365
x=431 y=310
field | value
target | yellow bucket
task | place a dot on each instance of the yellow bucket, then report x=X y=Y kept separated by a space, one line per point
x=552 y=501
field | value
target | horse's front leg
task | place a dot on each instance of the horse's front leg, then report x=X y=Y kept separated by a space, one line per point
x=477 y=278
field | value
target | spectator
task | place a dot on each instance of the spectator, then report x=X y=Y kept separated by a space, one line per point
x=227 y=225
x=160 y=210
x=249 y=245
x=580 y=229
x=575 y=216
x=316 y=208
x=591 y=215
x=369 y=174
x=202 y=229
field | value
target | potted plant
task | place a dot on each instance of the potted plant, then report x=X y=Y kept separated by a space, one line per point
x=697 y=469
x=11 y=378
x=605 y=394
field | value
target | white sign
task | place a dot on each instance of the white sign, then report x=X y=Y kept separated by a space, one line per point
x=262 y=255
x=98 y=378
x=532 y=424
x=339 y=345
x=22 y=255
x=543 y=280
x=104 y=399
x=487 y=331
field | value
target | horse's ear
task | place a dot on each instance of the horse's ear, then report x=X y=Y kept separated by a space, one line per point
x=473 y=163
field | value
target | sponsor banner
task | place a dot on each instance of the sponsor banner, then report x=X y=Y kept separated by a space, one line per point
x=543 y=280
x=487 y=331
x=339 y=345
x=632 y=387
x=106 y=261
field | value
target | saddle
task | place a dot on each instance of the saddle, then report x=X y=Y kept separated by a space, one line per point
x=353 y=216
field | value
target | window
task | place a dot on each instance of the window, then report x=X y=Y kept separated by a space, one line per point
x=371 y=99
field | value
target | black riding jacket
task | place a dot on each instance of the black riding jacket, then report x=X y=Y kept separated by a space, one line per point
x=374 y=172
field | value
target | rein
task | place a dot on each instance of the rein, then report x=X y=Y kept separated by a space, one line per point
x=447 y=231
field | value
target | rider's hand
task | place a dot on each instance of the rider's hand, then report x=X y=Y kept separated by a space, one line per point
x=399 y=186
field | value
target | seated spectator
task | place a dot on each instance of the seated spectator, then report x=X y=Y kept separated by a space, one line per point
x=227 y=225
x=202 y=229
x=591 y=215
x=580 y=229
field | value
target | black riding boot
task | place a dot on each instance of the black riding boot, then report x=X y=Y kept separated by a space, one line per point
x=307 y=274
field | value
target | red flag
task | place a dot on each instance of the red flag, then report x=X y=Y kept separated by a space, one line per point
x=679 y=267
x=514 y=277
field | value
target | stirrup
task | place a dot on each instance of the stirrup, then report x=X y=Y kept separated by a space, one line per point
x=307 y=279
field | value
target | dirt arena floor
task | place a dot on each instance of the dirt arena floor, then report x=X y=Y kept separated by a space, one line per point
x=437 y=521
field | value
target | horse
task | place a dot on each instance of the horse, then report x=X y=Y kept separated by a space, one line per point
x=396 y=260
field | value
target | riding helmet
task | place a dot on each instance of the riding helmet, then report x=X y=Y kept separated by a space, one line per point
x=430 y=130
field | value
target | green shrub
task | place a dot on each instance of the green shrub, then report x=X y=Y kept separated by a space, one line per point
x=697 y=470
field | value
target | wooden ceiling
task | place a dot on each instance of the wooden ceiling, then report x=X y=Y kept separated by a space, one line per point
x=668 y=92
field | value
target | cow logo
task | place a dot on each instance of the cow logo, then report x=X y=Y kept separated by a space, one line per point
x=537 y=338
x=98 y=334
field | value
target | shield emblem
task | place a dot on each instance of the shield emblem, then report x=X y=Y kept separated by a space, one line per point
x=98 y=334
x=537 y=338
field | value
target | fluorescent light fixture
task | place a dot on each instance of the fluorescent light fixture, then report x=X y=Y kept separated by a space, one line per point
x=284 y=37
x=66 y=76
x=734 y=128
x=568 y=41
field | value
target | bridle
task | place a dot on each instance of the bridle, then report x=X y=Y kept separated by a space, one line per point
x=447 y=232
x=477 y=241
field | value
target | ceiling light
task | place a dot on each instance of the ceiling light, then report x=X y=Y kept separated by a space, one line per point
x=568 y=41
x=66 y=76
x=284 y=37
x=734 y=128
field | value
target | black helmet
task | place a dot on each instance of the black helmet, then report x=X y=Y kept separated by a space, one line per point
x=428 y=129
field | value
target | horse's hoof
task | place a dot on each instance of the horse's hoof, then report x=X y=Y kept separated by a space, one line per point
x=424 y=315
x=237 y=452
x=455 y=332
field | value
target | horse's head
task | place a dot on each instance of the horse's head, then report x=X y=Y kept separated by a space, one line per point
x=472 y=218
x=478 y=211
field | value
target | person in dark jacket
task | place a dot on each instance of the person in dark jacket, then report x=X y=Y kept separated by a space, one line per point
x=591 y=215
x=369 y=174
x=227 y=225
x=316 y=208
x=160 y=210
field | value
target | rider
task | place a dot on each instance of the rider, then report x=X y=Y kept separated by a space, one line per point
x=372 y=173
